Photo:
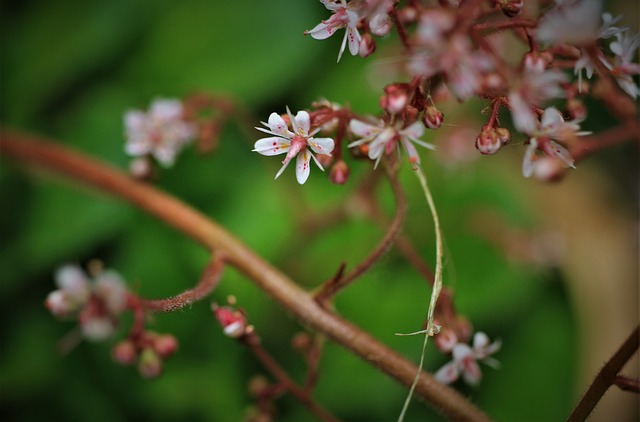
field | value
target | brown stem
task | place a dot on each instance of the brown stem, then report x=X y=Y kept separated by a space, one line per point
x=506 y=24
x=606 y=377
x=192 y=223
x=252 y=341
x=615 y=136
x=208 y=281
x=334 y=285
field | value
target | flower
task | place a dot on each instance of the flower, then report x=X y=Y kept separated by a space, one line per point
x=576 y=23
x=343 y=17
x=551 y=126
x=233 y=322
x=161 y=132
x=95 y=303
x=295 y=143
x=465 y=360
x=383 y=138
x=624 y=48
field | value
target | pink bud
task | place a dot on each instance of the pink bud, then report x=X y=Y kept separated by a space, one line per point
x=576 y=109
x=380 y=24
x=59 y=303
x=339 y=173
x=446 y=339
x=503 y=135
x=488 y=141
x=150 y=364
x=141 y=168
x=512 y=8
x=125 y=352
x=234 y=323
x=395 y=98
x=165 y=345
x=433 y=117
x=367 y=45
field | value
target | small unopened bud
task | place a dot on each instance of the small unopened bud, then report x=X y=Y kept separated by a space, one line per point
x=503 y=135
x=234 y=323
x=576 y=109
x=537 y=60
x=512 y=8
x=488 y=141
x=59 y=303
x=301 y=342
x=141 y=168
x=407 y=14
x=395 y=98
x=165 y=345
x=339 y=173
x=380 y=24
x=150 y=364
x=433 y=117
x=367 y=45
x=125 y=352
x=258 y=385
x=410 y=115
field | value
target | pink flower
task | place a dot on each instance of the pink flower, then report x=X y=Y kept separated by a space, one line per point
x=233 y=322
x=465 y=360
x=343 y=17
x=551 y=126
x=161 y=132
x=295 y=143
x=384 y=139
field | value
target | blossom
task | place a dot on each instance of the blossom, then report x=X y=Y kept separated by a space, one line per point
x=576 y=23
x=465 y=360
x=95 y=303
x=343 y=17
x=295 y=143
x=624 y=48
x=233 y=321
x=161 y=132
x=551 y=126
x=383 y=138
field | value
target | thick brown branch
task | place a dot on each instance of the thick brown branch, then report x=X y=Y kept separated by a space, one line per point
x=194 y=224
x=606 y=377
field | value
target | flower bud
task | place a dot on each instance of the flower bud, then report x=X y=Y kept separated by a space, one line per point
x=446 y=339
x=395 y=98
x=234 y=323
x=488 y=141
x=433 y=117
x=150 y=364
x=576 y=109
x=97 y=328
x=125 y=352
x=339 y=173
x=60 y=304
x=512 y=8
x=367 y=45
x=141 y=168
x=258 y=384
x=380 y=24
x=503 y=135
x=165 y=345
x=301 y=342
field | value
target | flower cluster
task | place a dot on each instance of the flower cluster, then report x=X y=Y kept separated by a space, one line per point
x=147 y=350
x=161 y=132
x=465 y=359
x=96 y=303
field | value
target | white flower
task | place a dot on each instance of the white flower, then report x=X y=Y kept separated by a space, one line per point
x=343 y=17
x=161 y=132
x=383 y=139
x=576 y=23
x=295 y=143
x=624 y=48
x=551 y=126
x=465 y=360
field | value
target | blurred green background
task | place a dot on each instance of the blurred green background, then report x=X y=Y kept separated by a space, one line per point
x=71 y=68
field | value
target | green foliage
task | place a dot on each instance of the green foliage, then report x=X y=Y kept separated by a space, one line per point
x=70 y=70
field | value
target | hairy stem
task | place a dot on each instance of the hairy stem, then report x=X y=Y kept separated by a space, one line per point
x=192 y=223
x=606 y=377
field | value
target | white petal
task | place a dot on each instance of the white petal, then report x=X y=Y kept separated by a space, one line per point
x=415 y=130
x=135 y=120
x=302 y=166
x=272 y=146
x=343 y=45
x=448 y=373
x=354 y=40
x=527 y=162
x=321 y=31
x=73 y=281
x=284 y=166
x=302 y=123
x=363 y=129
x=562 y=153
x=414 y=158
x=166 y=109
x=471 y=372
x=523 y=118
x=277 y=125
x=551 y=118
x=137 y=147
x=480 y=340
x=321 y=145
x=461 y=351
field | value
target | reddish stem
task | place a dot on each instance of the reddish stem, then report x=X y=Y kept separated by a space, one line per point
x=627 y=384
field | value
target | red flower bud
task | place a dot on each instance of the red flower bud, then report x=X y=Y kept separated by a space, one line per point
x=488 y=141
x=165 y=345
x=339 y=173
x=150 y=364
x=433 y=117
x=395 y=98
x=125 y=352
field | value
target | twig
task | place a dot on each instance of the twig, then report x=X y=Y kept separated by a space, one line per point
x=190 y=222
x=606 y=377
x=627 y=384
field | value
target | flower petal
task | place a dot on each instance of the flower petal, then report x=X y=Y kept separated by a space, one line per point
x=551 y=119
x=302 y=123
x=471 y=372
x=278 y=126
x=354 y=40
x=363 y=129
x=321 y=145
x=302 y=166
x=562 y=153
x=284 y=166
x=272 y=146
x=415 y=130
x=321 y=31
x=414 y=158
x=448 y=373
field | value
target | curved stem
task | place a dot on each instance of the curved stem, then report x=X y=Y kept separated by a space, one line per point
x=192 y=223
x=606 y=377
